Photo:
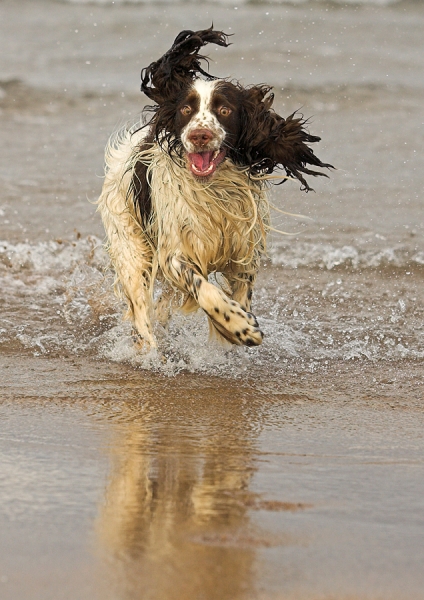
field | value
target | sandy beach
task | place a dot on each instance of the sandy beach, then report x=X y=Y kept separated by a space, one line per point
x=289 y=472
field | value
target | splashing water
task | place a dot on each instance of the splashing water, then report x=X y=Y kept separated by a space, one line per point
x=58 y=301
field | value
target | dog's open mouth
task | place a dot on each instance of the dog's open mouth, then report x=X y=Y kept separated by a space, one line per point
x=204 y=164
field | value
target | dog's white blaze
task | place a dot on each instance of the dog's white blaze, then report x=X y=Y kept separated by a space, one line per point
x=204 y=118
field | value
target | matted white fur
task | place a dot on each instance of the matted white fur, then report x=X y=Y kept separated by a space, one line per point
x=196 y=228
x=132 y=257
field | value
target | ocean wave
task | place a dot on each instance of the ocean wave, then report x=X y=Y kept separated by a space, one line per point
x=327 y=256
x=58 y=255
x=57 y=300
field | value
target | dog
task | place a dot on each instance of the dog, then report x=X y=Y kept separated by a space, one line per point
x=185 y=194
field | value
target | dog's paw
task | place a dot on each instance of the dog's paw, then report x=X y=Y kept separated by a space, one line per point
x=237 y=326
x=141 y=343
x=250 y=335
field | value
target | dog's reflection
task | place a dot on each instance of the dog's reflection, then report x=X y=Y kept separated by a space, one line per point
x=175 y=510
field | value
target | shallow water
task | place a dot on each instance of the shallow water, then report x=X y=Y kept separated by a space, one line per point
x=289 y=471
x=117 y=483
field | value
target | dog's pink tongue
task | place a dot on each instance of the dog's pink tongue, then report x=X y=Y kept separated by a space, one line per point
x=201 y=160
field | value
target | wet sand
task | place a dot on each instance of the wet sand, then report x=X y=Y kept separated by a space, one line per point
x=290 y=472
x=118 y=483
x=124 y=484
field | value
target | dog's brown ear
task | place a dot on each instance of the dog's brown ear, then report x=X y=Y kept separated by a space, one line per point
x=165 y=78
x=270 y=142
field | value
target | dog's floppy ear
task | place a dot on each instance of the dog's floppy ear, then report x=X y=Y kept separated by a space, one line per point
x=164 y=79
x=270 y=142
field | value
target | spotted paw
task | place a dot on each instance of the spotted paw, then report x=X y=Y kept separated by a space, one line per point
x=250 y=336
x=239 y=327
x=141 y=343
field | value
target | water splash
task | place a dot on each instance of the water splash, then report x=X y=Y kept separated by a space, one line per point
x=58 y=301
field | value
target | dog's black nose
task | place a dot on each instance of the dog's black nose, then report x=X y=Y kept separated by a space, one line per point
x=201 y=137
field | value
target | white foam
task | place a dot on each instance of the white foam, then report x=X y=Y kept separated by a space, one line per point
x=327 y=256
x=54 y=254
x=57 y=298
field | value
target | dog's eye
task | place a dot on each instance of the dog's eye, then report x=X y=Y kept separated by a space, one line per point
x=186 y=110
x=224 y=111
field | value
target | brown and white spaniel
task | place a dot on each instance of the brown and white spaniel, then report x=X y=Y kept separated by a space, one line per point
x=185 y=195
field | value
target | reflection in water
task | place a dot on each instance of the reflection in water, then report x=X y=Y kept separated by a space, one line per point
x=175 y=517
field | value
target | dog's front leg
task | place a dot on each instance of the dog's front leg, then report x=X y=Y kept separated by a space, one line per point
x=233 y=322
x=131 y=256
x=135 y=280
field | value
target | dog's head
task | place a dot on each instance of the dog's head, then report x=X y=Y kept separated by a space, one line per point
x=208 y=124
x=209 y=119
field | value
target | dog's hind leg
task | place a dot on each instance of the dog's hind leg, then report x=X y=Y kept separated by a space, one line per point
x=165 y=303
x=233 y=322
x=132 y=259
x=242 y=288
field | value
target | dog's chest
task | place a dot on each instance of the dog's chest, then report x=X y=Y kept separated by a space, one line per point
x=209 y=223
x=189 y=222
